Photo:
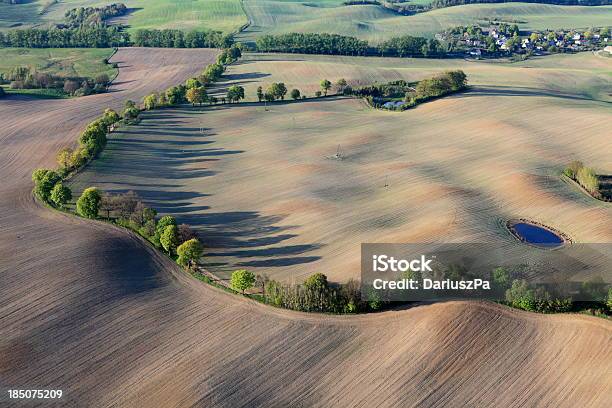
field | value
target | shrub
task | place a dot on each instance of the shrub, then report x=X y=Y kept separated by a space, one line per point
x=242 y=280
x=572 y=169
x=164 y=222
x=88 y=205
x=295 y=94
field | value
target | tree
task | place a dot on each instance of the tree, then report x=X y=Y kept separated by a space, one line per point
x=169 y=238
x=60 y=194
x=242 y=280
x=64 y=159
x=325 y=86
x=521 y=295
x=150 y=101
x=88 y=203
x=260 y=94
x=269 y=97
x=278 y=90
x=501 y=277
x=588 y=179
x=341 y=84
x=609 y=300
x=189 y=252
x=193 y=83
x=70 y=86
x=165 y=221
x=295 y=94
x=196 y=95
x=102 y=79
x=317 y=282
x=2 y=93
x=44 y=181
x=186 y=233
x=235 y=93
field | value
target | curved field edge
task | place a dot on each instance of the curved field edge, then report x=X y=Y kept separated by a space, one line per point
x=113 y=324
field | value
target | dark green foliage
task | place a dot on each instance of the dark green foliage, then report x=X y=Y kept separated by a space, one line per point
x=93 y=138
x=88 y=205
x=29 y=78
x=309 y=43
x=235 y=93
x=295 y=94
x=2 y=93
x=178 y=39
x=276 y=91
x=82 y=37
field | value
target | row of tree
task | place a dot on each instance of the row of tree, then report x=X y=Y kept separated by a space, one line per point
x=315 y=294
x=194 y=89
x=29 y=78
x=111 y=36
x=178 y=39
x=333 y=44
x=585 y=176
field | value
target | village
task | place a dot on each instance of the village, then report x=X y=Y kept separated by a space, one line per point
x=503 y=39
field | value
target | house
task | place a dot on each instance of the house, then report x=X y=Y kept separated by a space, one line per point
x=576 y=36
x=475 y=52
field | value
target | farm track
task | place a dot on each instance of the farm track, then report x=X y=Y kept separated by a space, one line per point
x=88 y=308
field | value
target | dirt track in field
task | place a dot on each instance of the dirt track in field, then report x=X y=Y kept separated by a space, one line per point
x=89 y=309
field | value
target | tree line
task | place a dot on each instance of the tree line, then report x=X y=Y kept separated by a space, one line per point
x=333 y=44
x=587 y=178
x=29 y=78
x=104 y=37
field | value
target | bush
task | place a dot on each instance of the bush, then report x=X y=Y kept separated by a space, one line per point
x=88 y=205
x=588 y=179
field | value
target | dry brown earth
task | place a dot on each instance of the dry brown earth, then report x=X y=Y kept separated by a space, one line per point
x=89 y=309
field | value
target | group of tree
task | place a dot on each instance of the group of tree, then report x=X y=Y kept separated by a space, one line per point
x=316 y=294
x=585 y=176
x=93 y=16
x=410 y=46
x=81 y=37
x=276 y=90
x=311 y=43
x=91 y=142
x=48 y=187
x=127 y=210
x=85 y=36
x=439 y=85
x=435 y=4
x=29 y=78
x=333 y=44
x=170 y=38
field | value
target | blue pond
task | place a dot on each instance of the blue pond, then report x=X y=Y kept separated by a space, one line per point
x=535 y=235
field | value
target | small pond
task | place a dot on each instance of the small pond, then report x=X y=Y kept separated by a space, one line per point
x=536 y=235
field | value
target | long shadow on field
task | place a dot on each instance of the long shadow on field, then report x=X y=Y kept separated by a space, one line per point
x=519 y=91
x=241 y=234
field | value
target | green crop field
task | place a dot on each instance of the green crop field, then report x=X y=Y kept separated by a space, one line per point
x=66 y=62
x=376 y=24
x=224 y=15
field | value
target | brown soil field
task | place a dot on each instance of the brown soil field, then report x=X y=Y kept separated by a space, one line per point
x=265 y=194
x=89 y=309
